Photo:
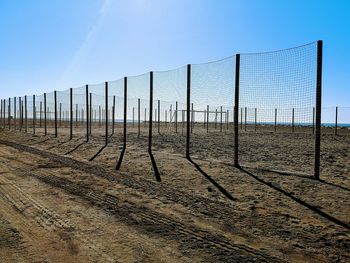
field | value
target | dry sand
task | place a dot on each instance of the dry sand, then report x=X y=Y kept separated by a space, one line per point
x=59 y=207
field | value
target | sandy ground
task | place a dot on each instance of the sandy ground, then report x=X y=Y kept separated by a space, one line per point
x=57 y=206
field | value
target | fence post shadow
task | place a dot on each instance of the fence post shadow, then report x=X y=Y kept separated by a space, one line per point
x=211 y=180
x=296 y=199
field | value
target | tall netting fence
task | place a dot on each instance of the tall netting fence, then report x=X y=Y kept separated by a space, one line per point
x=99 y=112
x=63 y=112
x=39 y=114
x=277 y=92
x=169 y=105
x=211 y=110
x=138 y=100
x=116 y=102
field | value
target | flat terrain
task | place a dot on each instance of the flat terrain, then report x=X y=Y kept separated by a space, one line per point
x=58 y=206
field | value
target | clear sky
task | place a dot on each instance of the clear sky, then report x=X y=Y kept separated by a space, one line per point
x=58 y=44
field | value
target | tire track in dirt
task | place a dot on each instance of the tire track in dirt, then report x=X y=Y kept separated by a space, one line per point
x=204 y=206
x=25 y=204
x=153 y=223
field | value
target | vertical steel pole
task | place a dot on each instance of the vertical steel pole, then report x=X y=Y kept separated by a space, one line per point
x=34 y=114
x=90 y=114
x=245 y=118
x=158 y=116
x=40 y=113
x=15 y=112
x=293 y=120
x=176 y=110
x=26 y=113
x=99 y=116
x=192 y=117
x=113 y=115
x=236 y=108
x=20 y=113
x=145 y=118
x=255 y=119
x=336 y=121
x=318 y=109
x=313 y=120
x=125 y=109
x=60 y=125
x=1 y=112
x=71 y=114
x=138 y=117
x=166 y=118
x=106 y=110
x=133 y=117
x=9 y=119
x=188 y=110
x=87 y=111
x=45 y=117
x=55 y=97
x=150 y=112
x=220 y=118
x=208 y=118
x=275 y=119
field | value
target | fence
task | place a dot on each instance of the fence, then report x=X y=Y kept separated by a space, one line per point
x=261 y=110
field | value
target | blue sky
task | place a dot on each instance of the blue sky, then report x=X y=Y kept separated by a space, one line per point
x=57 y=44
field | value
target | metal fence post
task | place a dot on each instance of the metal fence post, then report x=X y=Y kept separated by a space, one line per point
x=106 y=110
x=158 y=116
x=1 y=111
x=138 y=117
x=15 y=112
x=113 y=115
x=40 y=113
x=336 y=121
x=293 y=120
x=26 y=114
x=90 y=113
x=245 y=118
x=60 y=115
x=313 y=120
x=55 y=97
x=150 y=113
x=87 y=111
x=236 y=108
x=99 y=116
x=208 y=118
x=241 y=118
x=71 y=113
x=9 y=111
x=188 y=110
x=45 y=116
x=34 y=114
x=176 y=110
x=192 y=117
x=275 y=119
x=318 y=109
x=124 y=123
x=20 y=114
x=255 y=118
x=220 y=118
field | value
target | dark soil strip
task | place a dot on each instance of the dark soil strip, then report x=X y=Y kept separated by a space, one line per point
x=156 y=224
